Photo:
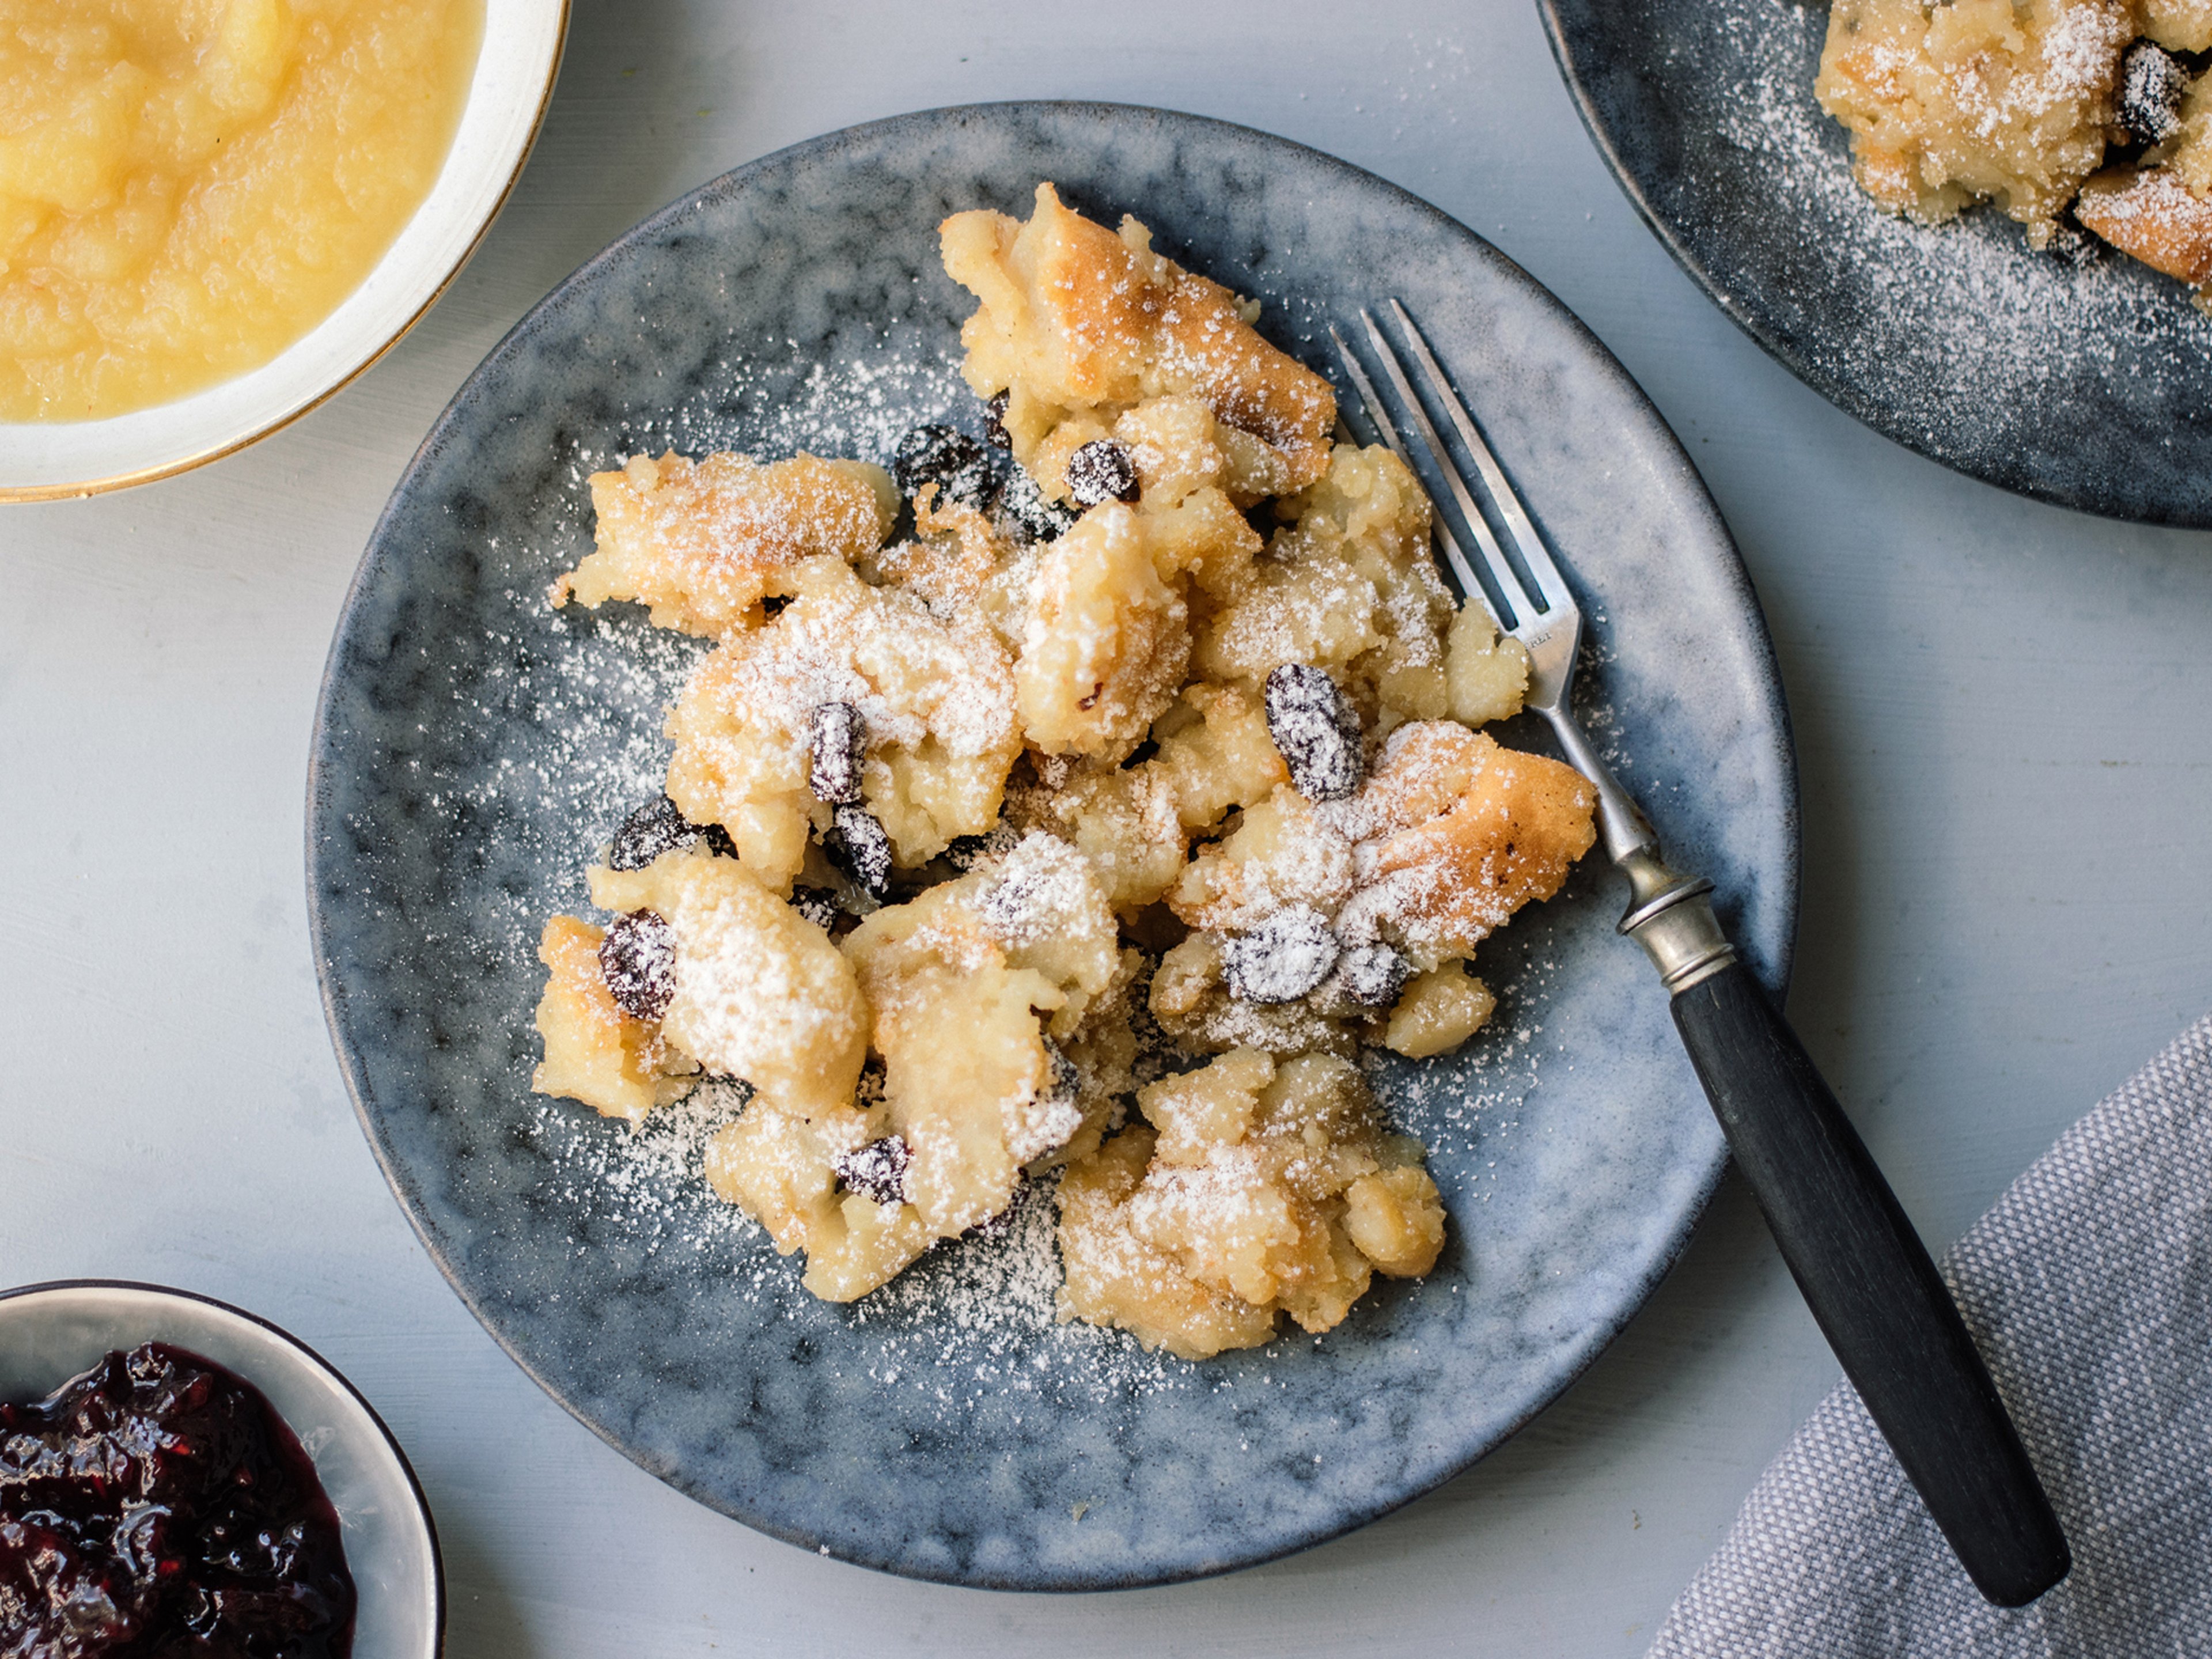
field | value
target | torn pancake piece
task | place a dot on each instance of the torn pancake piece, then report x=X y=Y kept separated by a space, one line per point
x=702 y=543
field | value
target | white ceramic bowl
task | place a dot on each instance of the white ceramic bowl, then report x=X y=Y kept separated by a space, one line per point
x=51 y=1333
x=515 y=67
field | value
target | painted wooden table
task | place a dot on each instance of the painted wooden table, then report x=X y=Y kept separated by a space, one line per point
x=2003 y=715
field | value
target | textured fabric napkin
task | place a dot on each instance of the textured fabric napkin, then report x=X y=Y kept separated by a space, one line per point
x=2089 y=1288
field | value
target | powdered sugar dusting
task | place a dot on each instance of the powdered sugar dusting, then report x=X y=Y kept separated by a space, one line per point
x=975 y=1318
x=857 y=408
x=646 y=1180
x=1478 y=1102
x=880 y=651
x=751 y=1001
x=1043 y=887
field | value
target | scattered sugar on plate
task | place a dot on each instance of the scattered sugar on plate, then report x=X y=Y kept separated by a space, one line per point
x=2007 y=329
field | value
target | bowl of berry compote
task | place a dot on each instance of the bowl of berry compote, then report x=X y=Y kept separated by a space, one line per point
x=181 y=1478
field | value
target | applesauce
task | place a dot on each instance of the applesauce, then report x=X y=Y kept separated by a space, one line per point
x=187 y=187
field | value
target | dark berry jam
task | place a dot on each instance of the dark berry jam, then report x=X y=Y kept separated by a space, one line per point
x=157 y=1508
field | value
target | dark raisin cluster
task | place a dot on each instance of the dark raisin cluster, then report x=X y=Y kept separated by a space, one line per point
x=637 y=959
x=658 y=827
x=1315 y=730
x=965 y=471
x=158 y=1505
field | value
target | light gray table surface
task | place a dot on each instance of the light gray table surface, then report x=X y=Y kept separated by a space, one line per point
x=2001 y=714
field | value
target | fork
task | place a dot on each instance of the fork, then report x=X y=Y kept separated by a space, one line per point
x=1879 y=1299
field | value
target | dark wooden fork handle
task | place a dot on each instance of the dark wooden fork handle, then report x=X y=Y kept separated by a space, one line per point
x=1878 y=1297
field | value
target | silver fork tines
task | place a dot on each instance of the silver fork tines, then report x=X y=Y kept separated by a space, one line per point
x=1539 y=610
x=1470 y=584
x=1533 y=557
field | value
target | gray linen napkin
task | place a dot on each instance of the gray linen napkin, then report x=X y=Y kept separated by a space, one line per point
x=2089 y=1288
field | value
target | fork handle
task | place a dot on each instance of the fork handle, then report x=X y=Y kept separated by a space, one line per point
x=1868 y=1278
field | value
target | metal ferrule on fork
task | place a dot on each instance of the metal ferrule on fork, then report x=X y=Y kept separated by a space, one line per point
x=1671 y=916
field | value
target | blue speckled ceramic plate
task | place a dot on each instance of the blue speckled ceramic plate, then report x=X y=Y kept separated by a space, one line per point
x=2091 y=387
x=475 y=748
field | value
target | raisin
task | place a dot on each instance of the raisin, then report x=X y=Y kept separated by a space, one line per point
x=858 y=846
x=658 y=827
x=1101 y=471
x=994 y=423
x=2152 y=82
x=877 y=1171
x=1373 y=974
x=655 y=828
x=1023 y=513
x=1315 y=732
x=1283 y=958
x=637 y=959
x=951 y=460
x=837 y=749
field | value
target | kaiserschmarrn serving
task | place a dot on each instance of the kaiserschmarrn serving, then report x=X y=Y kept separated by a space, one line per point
x=1088 y=833
x=2068 y=115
